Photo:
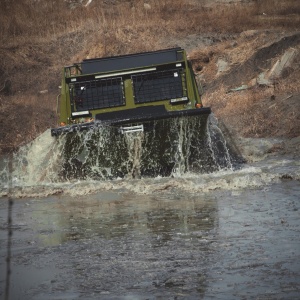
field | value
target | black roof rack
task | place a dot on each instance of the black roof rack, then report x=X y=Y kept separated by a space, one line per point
x=131 y=61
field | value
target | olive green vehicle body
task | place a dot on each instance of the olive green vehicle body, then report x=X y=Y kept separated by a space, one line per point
x=121 y=76
x=138 y=113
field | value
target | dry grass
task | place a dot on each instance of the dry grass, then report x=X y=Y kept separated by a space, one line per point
x=35 y=20
x=260 y=111
x=38 y=37
x=125 y=27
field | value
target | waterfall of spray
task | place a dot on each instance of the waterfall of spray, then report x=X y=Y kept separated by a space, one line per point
x=166 y=147
x=35 y=163
x=217 y=144
x=182 y=145
x=40 y=160
x=134 y=143
x=179 y=166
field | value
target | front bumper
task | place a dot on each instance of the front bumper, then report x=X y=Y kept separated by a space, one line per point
x=130 y=116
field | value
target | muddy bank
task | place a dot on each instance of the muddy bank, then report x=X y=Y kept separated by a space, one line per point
x=244 y=91
x=256 y=149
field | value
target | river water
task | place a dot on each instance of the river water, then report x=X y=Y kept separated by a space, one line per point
x=230 y=234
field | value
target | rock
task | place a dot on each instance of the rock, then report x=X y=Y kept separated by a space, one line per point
x=88 y=3
x=281 y=64
x=222 y=65
x=147 y=6
x=43 y=92
x=252 y=82
x=240 y=88
x=263 y=79
x=268 y=77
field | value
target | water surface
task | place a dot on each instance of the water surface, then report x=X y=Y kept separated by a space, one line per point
x=228 y=235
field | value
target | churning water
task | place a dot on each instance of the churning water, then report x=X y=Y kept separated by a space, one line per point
x=211 y=229
x=83 y=163
x=185 y=147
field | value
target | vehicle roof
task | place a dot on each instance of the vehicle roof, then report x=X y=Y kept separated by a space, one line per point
x=131 y=61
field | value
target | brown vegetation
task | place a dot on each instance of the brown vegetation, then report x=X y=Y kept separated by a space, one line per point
x=260 y=110
x=39 y=37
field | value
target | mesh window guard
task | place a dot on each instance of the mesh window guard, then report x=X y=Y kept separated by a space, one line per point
x=95 y=94
x=159 y=85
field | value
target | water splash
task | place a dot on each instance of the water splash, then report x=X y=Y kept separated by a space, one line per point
x=171 y=147
x=218 y=145
x=34 y=163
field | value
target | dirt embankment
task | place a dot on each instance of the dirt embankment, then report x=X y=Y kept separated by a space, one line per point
x=251 y=81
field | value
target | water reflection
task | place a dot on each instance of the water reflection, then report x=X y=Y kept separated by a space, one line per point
x=154 y=244
x=166 y=244
x=162 y=219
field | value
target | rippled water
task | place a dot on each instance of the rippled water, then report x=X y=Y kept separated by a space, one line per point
x=229 y=234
